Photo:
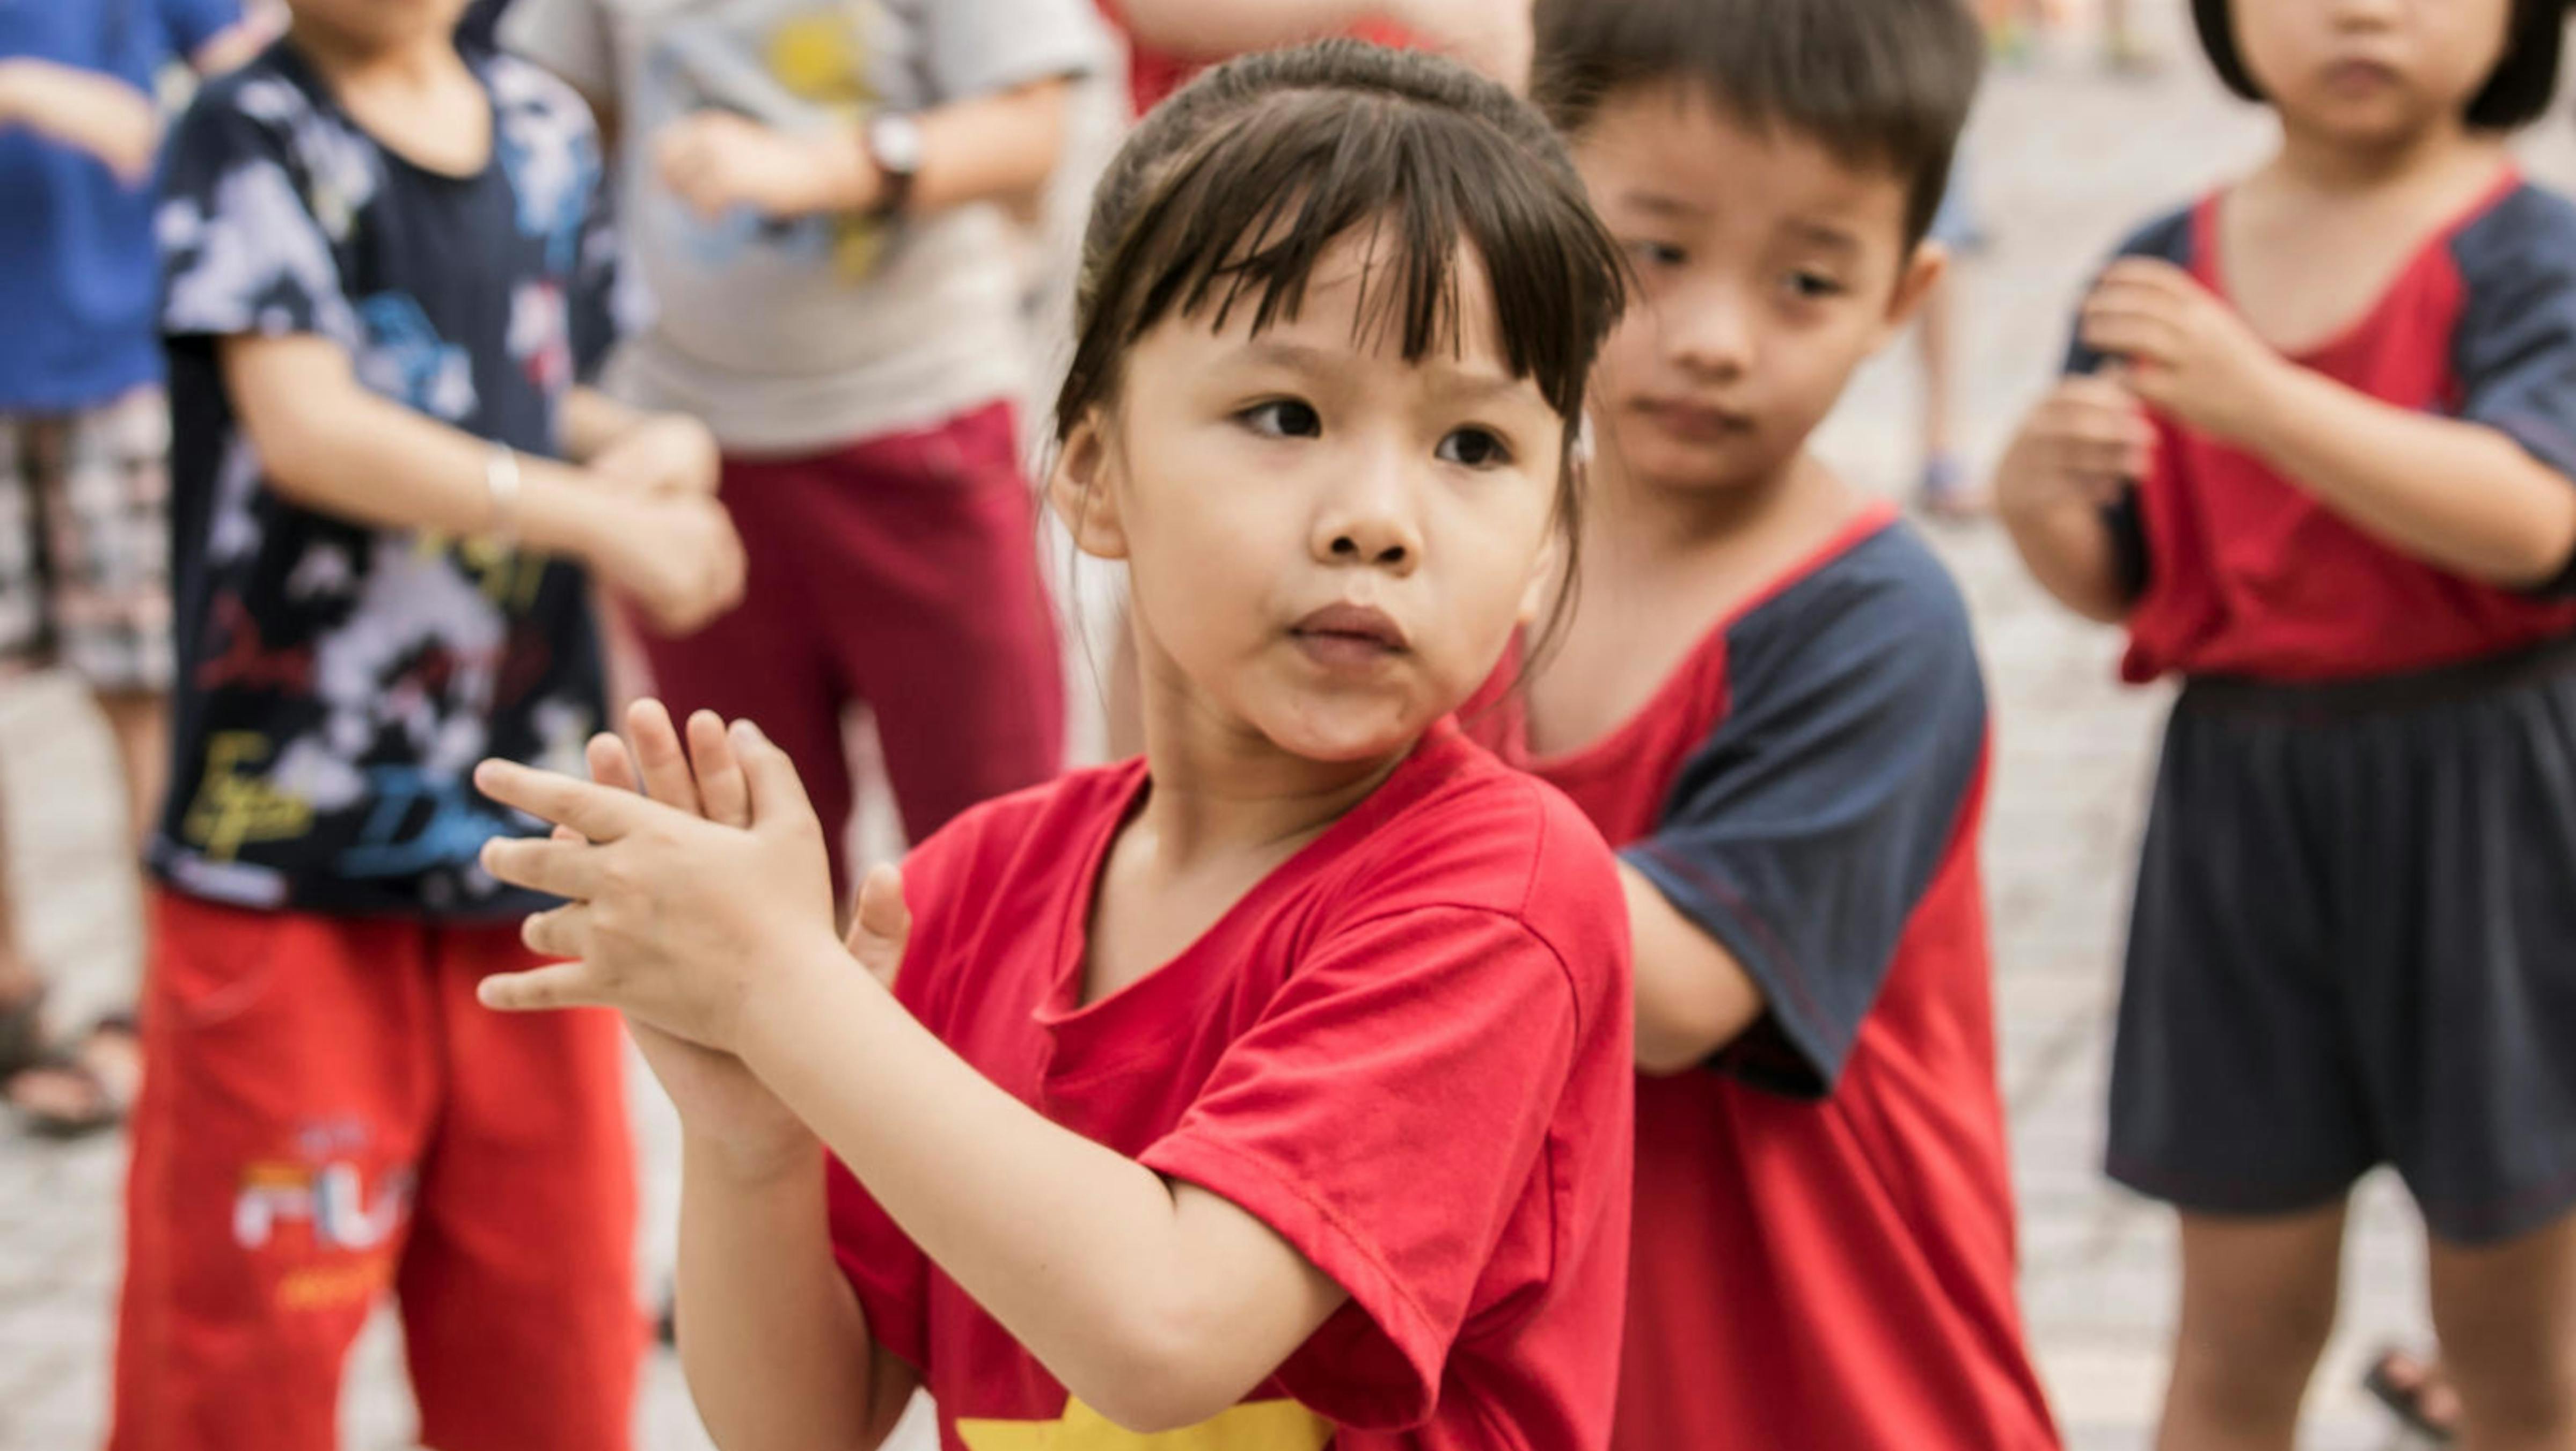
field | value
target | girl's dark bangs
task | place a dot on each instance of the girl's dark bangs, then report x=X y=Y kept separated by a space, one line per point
x=1250 y=217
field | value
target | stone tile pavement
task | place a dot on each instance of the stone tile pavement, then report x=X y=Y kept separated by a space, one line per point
x=2062 y=160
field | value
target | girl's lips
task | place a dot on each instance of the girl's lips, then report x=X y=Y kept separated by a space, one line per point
x=1348 y=635
x=1694 y=421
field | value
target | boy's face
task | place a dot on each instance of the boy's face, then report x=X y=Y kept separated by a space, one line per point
x=1328 y=546
x=2370 y=70
x=1767 y=270
x=375 y=24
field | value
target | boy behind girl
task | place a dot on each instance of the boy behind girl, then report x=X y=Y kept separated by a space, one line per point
x=1768 y=695
x=373 y=247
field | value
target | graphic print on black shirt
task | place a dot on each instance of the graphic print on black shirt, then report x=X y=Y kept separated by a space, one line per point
x=338 y=682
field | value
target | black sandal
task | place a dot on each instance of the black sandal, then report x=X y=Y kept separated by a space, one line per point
x=25 y=1050
x=2406 y=1402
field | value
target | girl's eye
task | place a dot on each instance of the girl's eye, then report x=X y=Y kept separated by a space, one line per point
x=1811 y=286
x=1475 y=448
x=1657 y=254
x=1283 y=418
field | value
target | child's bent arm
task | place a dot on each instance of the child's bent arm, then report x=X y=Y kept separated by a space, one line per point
x=85 y=110
x=2460 y=495
x=1159 y=1304
x=2067 y=545
x=331 y=445
x=2068 y=462
x=772 y=1338
x=1693 y=997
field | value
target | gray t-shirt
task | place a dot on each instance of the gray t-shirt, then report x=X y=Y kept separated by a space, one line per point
x=802 y=336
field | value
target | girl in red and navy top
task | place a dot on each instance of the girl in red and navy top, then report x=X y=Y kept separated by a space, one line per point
x=2317 y=453
x=1275 y=1084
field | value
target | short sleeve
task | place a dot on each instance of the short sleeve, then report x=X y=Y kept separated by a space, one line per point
x=2515 y=348
x=1804 y=831
x=1384 y=1117
x=567 y=37
x=977 y=47
x=191 y=23
x=241 y=248
x=888 y=1272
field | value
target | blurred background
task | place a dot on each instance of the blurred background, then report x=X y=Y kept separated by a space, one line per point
x=2075 y=139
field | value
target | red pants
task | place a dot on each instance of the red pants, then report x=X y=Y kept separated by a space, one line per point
x=901 y=572
x=327 y=1114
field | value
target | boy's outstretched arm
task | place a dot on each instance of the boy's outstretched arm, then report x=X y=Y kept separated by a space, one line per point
x=1693 y=997
x=330 y=444
x=2457 y=494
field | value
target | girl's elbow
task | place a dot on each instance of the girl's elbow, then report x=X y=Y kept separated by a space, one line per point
x=1152 y=1380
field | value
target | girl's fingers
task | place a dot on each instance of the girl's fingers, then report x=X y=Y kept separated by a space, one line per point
x=882 y=924
x=610 y=766
x=558 y=868
x=600 y=813
x=542 y=989
x=777 y=797
x=723 y=792
x=556 y=933
x=665 y=767
x=2127 y=335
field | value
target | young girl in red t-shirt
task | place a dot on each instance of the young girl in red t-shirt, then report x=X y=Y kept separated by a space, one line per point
x=1276 y=1083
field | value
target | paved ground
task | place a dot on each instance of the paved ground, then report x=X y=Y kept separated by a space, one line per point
x=2063 y=159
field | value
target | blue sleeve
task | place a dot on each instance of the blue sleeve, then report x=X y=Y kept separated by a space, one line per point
x=2515 y=348
x=192 y=23
x=1803 y=833
x=242 y=249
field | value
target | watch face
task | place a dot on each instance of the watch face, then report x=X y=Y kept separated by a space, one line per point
x=896 y=142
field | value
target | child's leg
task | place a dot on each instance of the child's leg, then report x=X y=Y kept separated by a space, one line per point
x=2507 y=1317
x=284 y=1100
x=765 y=660
x=952 y=639
x=2258 y=1301
x=519 y=1304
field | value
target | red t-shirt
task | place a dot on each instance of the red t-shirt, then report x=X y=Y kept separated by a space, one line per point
x=1823 y=1257
x=1154 y=74
x=1406 y=1051
x=2239 y=571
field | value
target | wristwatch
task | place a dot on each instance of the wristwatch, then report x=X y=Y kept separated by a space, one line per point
x=893 y=142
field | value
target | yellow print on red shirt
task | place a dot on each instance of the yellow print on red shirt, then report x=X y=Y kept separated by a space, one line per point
x=1255 y=1426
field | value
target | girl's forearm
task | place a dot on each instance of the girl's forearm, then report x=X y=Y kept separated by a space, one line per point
x=2459 y=495
x=772 y=1339
x=1155 y=1316
x=1201 y=30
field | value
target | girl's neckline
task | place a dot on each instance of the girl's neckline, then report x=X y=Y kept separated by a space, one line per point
x=315 y=84
x=1430 y=761
x=2209 y=262
x=1615 y=749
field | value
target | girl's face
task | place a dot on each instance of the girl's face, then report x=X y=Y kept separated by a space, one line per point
x=2371 y=70
x=1328 y=546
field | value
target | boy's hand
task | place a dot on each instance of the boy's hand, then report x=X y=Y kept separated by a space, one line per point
x=677 y=557
x=721 y=1103
x=2189 y=354
x=674 y=919
x=670 y=454
x=99 y=114
x=2083 y=443
x=715 y=161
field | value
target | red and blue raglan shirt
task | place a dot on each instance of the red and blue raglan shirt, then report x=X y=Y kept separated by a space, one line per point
x=1823 y=1251
x=2237 y=571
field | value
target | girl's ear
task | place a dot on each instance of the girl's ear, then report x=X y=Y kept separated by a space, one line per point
x=1078 y=489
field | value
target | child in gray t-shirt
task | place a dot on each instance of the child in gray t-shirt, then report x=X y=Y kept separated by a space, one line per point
x=816 y=194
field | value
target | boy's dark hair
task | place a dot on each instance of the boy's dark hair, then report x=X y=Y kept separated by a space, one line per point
x=1880 y=83
x=2516 y=94
x=1231 y=192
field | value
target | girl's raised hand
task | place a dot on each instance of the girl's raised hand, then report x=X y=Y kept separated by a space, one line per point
x=673 y=918
x=721 y=1103
x=2189 y=354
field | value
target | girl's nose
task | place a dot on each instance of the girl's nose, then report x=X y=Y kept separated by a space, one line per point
x=1368 y=521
